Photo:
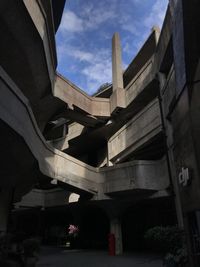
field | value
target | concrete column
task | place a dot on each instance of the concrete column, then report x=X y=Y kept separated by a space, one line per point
x=118 y=96
x=156 y=31
x=177 y=197
x=5 y=201
x=117 y=76
x=179 y=214
x=115 y=228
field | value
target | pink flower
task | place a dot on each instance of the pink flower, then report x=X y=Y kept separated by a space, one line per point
x=73 y=230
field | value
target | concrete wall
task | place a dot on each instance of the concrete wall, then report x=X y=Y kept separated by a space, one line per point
x=136 y=175
x=73 y=96
x=136 y=132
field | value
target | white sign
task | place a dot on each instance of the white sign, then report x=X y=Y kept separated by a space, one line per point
x=183 y=176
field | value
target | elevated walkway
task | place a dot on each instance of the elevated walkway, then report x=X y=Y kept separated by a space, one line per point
x=15 y=111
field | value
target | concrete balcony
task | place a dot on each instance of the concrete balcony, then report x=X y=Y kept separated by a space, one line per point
x=145 y=125
x=41 y=15
x=30 y=33
x=45 y=198
x=137 y=176
x=140 y=81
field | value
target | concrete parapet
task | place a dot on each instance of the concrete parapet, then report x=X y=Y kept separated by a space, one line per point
x=136 y=175
x=73 y=96
x=137 y=131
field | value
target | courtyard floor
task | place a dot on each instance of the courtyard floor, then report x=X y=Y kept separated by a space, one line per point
x=54 y=257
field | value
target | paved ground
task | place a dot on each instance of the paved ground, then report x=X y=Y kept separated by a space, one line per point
x=76 y=258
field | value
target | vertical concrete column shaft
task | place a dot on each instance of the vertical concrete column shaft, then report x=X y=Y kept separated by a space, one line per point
x=115 y=228
x=117 y=75
x=5 y=199
x=156 y=31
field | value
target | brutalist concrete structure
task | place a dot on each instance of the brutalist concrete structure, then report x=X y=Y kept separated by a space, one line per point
x=131 y=151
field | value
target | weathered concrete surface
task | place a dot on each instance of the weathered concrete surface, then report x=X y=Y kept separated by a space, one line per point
x=33 y=63
x=44 y=28
x=30 y=102
x=74 y=130
x=117 y=99
x=73 y=96
x=45 y=198
x=117 y=75
x=142 y=175
x=52 y=162
x=144 y=76
x=137 y=131
x=120 y=98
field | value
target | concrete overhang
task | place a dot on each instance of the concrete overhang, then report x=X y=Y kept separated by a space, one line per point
x=136 y=176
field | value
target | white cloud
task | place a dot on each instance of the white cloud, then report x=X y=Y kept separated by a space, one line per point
x=71 y=22
x=126 y=48
x=96 y=75
x=98 y=71
x=130 y=28
x=96 y=66
x=96 y=17
x=90 y=18
x=156 y=15
x=81 y=55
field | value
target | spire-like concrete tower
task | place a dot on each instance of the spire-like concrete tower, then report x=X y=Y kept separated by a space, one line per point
x=118 y=96
x=117 y=76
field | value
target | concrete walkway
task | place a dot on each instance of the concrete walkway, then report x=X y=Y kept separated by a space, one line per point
x=83 y=258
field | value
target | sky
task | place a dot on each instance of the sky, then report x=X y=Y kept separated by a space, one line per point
x=84 y=38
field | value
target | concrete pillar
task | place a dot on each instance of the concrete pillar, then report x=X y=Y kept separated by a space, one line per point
x=117 y=76
x=5 y=201
x=118 y=96
x=172 y=171
x=115 y=228
x=177 y=197
x=156 y=31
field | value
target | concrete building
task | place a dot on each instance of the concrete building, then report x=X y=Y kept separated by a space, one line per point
x=131 y=152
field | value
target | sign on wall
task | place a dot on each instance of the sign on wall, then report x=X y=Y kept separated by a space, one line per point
x=184 y=177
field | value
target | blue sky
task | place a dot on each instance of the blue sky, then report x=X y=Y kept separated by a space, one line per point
x=84 y=36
